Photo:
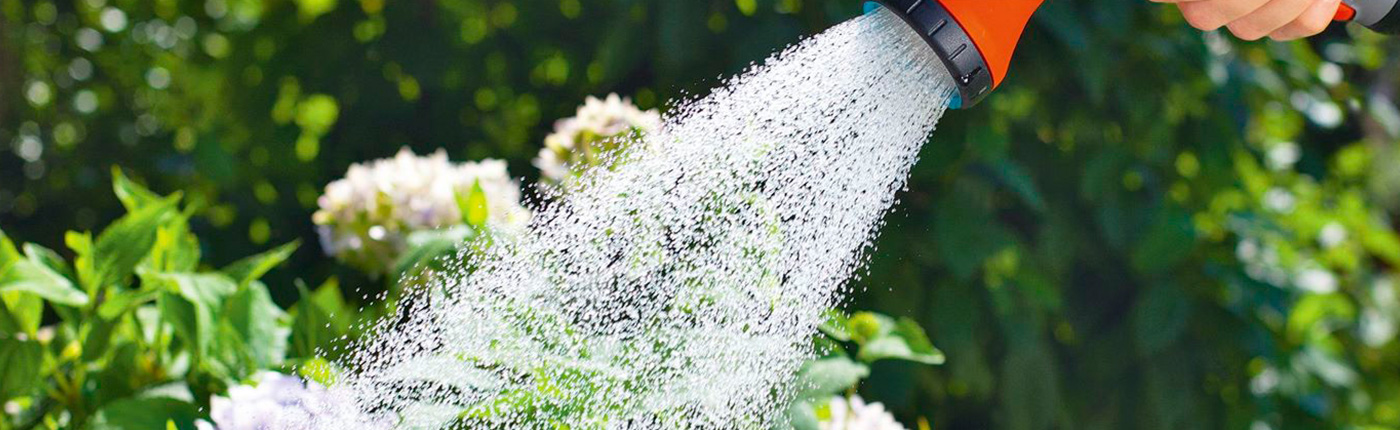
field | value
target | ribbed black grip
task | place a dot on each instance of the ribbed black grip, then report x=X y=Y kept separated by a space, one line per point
x=952 y=44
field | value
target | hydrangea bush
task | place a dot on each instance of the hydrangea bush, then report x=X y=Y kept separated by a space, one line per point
x=366 y=219
x=600 y=127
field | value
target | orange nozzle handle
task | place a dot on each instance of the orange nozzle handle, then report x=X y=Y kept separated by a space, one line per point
x=995 y=26
x=1346 y=13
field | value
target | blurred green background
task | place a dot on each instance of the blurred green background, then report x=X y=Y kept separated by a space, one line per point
x=1145 y=227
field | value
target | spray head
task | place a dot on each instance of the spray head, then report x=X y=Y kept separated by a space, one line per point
x=974 y=38
x=1383 y=16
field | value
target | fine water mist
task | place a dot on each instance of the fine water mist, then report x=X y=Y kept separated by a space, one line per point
x=681 y=288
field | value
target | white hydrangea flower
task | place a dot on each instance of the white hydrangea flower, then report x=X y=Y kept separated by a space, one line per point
x=855 y=414
x=599 y=127
x=276 y=401
x=365 y=218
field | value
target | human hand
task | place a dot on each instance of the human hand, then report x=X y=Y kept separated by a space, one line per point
x=1256 y=19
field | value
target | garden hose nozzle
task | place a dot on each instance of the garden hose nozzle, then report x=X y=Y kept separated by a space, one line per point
x=1380 y=15
x=974 y=38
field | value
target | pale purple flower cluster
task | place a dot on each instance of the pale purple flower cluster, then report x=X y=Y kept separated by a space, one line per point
x=275 y=402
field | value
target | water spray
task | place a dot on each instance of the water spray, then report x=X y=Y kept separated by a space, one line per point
x=976 y=38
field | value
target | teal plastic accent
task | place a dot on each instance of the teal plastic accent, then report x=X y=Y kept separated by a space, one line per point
x=956 y=102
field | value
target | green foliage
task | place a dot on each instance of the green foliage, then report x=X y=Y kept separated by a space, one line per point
x=143 y=334
x=1115 y=239
x=850 y=345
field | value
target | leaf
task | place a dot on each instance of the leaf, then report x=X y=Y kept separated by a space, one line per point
x=318 y=319
x=175 y=248
x=8 y=253
x=837 y=326
x=259 y=324
x=35 y=278
x=21 y=365
x=253 y=268
x=474 y=206
x=914 y=335
x=185 y=318
x=907 y=341
x=122 y=246
x=146 y=414
x=125 y=301
x=827 y=376
x=20 y=313
x=48 y=258
x=132 y=195
x=97 y=338
x=192 y=301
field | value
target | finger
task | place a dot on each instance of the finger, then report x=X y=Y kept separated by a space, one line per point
x=1311 y=22
x=1175 y=1
x=1210 y=15
x=1268 y=18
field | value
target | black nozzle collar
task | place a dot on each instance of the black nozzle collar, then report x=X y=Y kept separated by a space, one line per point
x=952 y=44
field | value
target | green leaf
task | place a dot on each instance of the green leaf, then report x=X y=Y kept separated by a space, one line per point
x=204 y=288
x=837 y=326
x=20 y=313
x=907 y=341
x=8 y=253
x=175 y=248
x=917 y=339
x=49 y=258
x=122 y=246
x=191 y=303
x=253 y=268
x=474 y=206
x=827 y=376
x=185 y=318
x=97 y=338
x=146 y=414
x=36 y=278
x=318 y=319
x=125 y=301
x=132 y=195
x=21 y=365
x=260 y=325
